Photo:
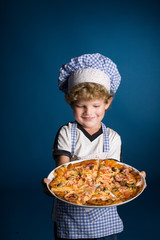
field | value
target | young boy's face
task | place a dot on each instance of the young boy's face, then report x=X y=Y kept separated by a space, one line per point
x=90 y=113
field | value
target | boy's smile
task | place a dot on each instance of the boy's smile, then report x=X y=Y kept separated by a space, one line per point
x=89 y=113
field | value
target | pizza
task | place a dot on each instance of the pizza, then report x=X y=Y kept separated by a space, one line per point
x=96 y=182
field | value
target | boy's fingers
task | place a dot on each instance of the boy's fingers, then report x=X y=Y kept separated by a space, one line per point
x=45 y=189
x=46 y=180
x=143 y=174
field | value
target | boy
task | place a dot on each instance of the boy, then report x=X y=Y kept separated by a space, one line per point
x=89 y=83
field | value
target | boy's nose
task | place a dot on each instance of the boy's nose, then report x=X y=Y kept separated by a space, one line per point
x=88 y=110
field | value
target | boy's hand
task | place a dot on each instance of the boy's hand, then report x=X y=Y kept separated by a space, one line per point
x=45 y=189
x=143 y=174
x=46 y=180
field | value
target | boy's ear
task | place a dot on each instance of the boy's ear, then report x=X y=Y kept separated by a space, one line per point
x=109 y=103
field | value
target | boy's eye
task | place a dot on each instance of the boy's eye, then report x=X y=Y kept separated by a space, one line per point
x=79 y=106
x=96 y=106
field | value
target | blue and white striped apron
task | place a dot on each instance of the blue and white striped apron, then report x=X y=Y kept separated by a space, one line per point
x=75 y=222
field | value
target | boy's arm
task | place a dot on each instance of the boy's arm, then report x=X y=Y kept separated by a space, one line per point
x=61 y=160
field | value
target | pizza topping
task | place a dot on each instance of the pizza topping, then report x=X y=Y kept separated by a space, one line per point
x=114 y=169
x=59 y=185
x=96 y=182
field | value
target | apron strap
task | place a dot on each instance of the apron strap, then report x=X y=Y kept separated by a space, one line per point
x=73 y=137
x=106 y=138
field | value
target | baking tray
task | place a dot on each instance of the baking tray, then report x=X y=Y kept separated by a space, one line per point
x=51 y=177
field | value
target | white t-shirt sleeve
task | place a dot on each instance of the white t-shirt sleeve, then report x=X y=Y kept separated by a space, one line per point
x=62 y=144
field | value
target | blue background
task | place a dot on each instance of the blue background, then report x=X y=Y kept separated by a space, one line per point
x=37 y=38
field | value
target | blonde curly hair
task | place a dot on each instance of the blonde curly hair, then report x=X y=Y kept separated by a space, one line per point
x=87 y=91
